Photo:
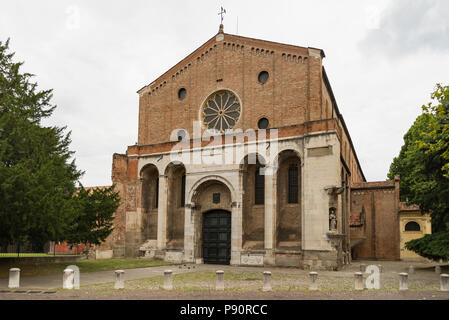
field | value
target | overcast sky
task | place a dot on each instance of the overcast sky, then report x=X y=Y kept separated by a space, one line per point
x=383 y=59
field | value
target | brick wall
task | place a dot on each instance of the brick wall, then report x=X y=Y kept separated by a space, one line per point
x=380 y=228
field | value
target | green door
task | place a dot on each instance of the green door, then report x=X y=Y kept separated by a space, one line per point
x=217 y=237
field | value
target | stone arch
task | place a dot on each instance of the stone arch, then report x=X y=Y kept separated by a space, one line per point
x=252 y=180
x=203 y=198
x=149 y=176
x=288 y=199
x=175 y=173
x=193 y=192
x=275 y=161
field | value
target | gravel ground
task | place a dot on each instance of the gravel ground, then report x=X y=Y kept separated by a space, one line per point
x=246 y=283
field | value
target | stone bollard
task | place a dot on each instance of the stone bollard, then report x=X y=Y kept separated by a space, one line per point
x=411 y=270
x=68 y=279
x=403 y=281
x=313 y=278
x=437 y=269
x=168 y=280
x=358 y=281
x=444 y=282
x=266 y=281
x=219 y=283
x=14 y=278
x=381 y=268
x=362 y=267
x=119 y=279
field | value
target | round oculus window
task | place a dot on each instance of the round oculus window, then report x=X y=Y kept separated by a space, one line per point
x=181 y=135
x=263 y=123
x=263 y=77
x=221 y=110
x=182 y=93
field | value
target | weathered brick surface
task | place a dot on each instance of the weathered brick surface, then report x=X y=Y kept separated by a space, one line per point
x=295 y=93
x=296 y=99
x=380 y=202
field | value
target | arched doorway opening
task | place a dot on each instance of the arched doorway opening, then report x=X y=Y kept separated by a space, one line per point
x=253 y=212
x=212 y=220
x=149 y=200
x=176 y=182
x=288 y=211
x=217 y=237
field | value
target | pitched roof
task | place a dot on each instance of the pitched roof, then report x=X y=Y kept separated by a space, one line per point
x=227 y=37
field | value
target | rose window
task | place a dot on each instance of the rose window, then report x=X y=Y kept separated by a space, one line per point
x=221 y=110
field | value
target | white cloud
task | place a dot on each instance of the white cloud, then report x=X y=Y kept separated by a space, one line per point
x=97 y=63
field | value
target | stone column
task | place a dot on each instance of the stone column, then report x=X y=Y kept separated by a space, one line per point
x=266 y=281
x=313 y=281
x=14 y=278
x=270 y=208
x=68 y=279
x=168 y=280
x=189 y=229
x=358 y=281
x=444 y=282
x=119 y=279
x=403 y=281
x=437 y=269
x=162 y=213
x=219 y=283
x=236 y=231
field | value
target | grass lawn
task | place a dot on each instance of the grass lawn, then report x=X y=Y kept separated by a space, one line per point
x=21 y=255
x=49 y=268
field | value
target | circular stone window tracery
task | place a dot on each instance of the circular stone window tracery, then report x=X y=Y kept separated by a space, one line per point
x=221 y=110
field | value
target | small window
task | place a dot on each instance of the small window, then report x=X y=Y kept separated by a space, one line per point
x=412 y=226
x=181 y=135
x=216 y=198
x=183 y=190
x=263 y=77
x=263 y=123
x=182 y=93
x=293 y=186
x=259 y=187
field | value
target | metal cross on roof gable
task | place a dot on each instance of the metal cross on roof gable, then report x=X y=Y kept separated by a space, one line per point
x=222 y=12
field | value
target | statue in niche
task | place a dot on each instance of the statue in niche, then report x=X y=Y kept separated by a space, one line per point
x=332 y=219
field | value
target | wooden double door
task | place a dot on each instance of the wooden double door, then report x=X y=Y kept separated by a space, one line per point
x=217 y=237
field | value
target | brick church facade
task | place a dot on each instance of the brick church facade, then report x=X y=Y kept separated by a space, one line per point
x=277 y=183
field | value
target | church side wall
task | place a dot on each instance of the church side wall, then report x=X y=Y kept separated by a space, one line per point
x=380 y=204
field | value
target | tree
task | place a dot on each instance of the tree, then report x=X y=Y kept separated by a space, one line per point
x=94 y=215
x=39 y=196
x=433 y=246
x=423 y=164
x=37 y=177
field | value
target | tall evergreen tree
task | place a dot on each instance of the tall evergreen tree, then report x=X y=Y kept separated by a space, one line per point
x=37 y=173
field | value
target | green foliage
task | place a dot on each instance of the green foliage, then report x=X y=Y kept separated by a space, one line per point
x=38 y=175
x=94 y=215
x=423 y=161
x=432 y=246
